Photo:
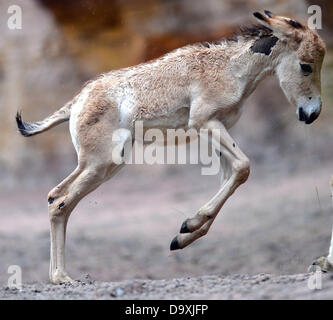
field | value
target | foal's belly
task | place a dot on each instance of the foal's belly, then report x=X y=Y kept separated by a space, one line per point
x=173 y=120
x=163 y=126
x=179 y=120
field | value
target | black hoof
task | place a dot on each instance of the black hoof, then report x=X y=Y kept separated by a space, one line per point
x=184 y=228
x=174 y=244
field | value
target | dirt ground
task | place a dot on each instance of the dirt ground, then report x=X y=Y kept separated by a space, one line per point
x=262 y=286
x=273 y=225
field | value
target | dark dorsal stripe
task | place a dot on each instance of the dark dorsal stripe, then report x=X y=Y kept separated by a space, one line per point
x=264 y=45
x=248 y=33
x=256 y=30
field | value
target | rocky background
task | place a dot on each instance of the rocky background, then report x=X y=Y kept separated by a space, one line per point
x=64 y=43
x=276 y=223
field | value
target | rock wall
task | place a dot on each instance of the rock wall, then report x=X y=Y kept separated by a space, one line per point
x=37 y=76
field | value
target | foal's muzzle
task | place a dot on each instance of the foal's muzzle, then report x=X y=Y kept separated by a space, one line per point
x=307 y=117
x=309 y=113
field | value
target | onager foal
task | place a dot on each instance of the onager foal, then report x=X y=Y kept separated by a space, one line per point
x=197 y=86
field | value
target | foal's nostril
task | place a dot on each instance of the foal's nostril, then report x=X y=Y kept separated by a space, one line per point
x=301 y=114
x=313 y=117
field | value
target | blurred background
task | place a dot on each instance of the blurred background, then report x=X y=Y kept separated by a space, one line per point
x=277 y=222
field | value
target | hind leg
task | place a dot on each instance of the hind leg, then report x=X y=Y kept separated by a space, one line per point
x=58 y=225
x=79 y=184
x=91 y=172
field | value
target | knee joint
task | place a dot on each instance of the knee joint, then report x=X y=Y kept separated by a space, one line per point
x=56 y=205
x=242 y=170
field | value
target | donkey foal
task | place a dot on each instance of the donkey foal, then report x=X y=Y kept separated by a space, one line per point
x=197 y=86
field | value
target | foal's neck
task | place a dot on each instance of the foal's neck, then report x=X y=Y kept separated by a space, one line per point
x=252 y=59
x=253 y=72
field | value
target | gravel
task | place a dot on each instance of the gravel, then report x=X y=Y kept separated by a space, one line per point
x=261 y=286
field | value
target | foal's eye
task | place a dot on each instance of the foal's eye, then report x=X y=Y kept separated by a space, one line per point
x=306 y=68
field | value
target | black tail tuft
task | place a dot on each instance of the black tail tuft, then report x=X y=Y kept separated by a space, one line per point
x=23 y=126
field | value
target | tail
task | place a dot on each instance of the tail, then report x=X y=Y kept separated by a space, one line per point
x=28 y=129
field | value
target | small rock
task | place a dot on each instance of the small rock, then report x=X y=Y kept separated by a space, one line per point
x=89 y=279
x=264 y=277
x=119 y=292
x=179 y=284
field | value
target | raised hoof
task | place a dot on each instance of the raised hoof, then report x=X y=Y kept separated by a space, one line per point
x=174 y=244
x=184 y=228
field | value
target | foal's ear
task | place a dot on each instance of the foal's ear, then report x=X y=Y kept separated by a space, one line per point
x=281 y=26
x=262 y=19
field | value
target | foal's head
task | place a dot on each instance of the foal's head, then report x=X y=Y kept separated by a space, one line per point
x=299 y=64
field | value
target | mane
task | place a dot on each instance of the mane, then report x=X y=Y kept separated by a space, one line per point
x=253 y=31
x=244 y=32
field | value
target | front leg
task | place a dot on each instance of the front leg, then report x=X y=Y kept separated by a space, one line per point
x=237 y=169
x=325 y=263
